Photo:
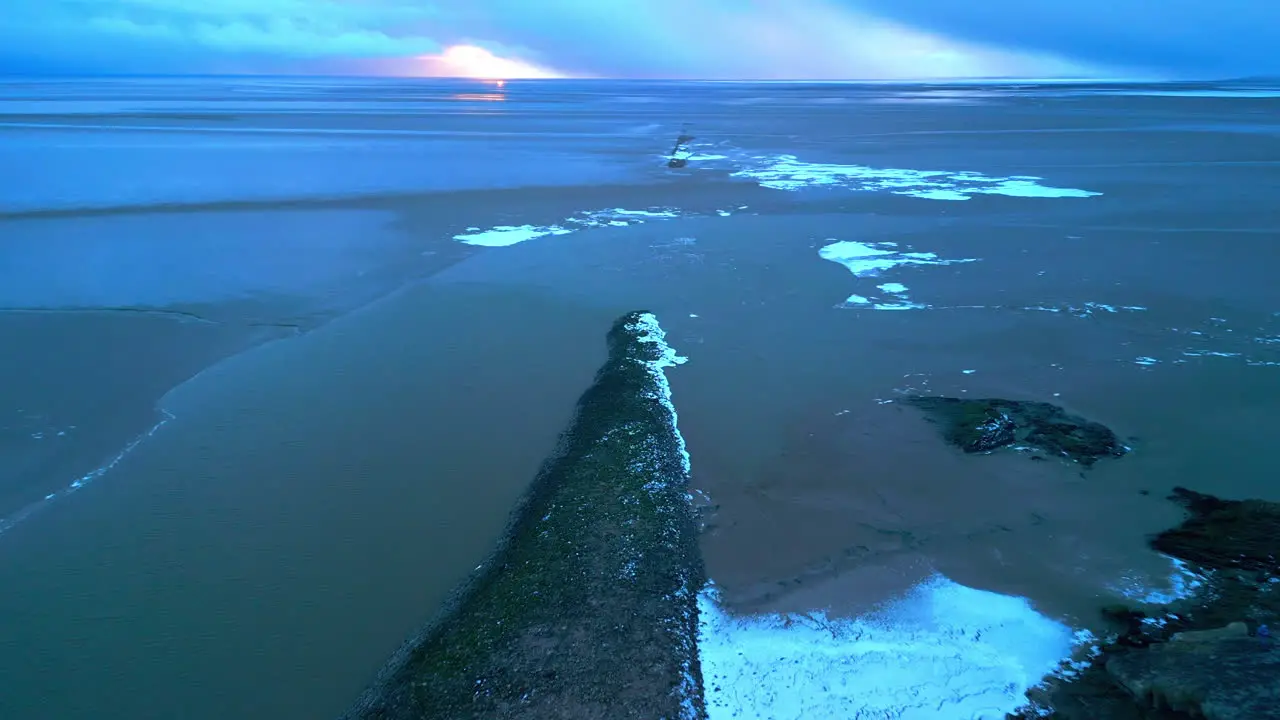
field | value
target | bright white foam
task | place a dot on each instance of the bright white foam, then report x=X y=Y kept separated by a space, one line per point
x=690 y=155
x=507 y=235
x=861 y=258
x=1180 y=584
x=1030 y=188
x=785 y=172
x=943 y=651
x=904 y=305
x=866 y=260
x=635 y=213
x=649 y=331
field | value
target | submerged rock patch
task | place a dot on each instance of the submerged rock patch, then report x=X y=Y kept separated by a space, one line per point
x=1224 y=534
x=984 y=425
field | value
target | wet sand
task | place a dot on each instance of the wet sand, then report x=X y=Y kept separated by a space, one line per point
x=85 y=384
x=314 y=498
x=230 y=559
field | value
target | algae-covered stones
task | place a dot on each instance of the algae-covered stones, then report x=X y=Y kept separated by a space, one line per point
x=589 y=608
x=983 y=425
x=1224 y=534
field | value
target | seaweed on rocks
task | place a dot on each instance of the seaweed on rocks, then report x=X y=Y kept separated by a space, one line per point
x=1224 y=534
x=984 y=425
x=588 y=609
x=1210 y=656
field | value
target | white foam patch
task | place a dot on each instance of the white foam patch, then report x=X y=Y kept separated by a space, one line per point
x=691 y=155
x=507 y=235
x=869 y=260
x=619 y=212
x=1145 y=361
x=1181 y=583
x=786 y=172
x=1087 y=309
x=649 y=331
x=943 y=651
x=904 y=305
x=865 y=260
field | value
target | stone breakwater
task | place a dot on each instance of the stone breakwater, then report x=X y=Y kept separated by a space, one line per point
x=588 y=609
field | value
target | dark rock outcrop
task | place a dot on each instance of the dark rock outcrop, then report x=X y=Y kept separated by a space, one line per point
x=983 y=425
x=1224 y=675
x=588 y=610
x=1211 y=656
x=1224 y=534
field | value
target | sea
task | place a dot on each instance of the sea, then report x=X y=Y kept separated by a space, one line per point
x=279 y=355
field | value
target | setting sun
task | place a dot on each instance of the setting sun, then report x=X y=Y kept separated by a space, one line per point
x=469 y=61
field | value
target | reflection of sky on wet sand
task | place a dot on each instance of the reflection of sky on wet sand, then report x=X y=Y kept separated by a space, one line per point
x=138 y=260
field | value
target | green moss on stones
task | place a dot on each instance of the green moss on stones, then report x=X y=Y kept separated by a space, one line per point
x=588 y=610
x=984 y=425
x=1224 y=534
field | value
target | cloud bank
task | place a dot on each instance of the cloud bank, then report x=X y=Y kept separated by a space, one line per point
x=764 y=39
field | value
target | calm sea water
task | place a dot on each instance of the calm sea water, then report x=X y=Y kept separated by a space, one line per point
x=282 y=353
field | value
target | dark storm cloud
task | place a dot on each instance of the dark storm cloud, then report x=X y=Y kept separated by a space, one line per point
x=1183 y=38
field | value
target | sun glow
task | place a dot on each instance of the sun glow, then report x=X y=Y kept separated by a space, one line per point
x=469 y=61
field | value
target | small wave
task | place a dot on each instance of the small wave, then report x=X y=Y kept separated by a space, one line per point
x=9 y=522
x=1181 y=583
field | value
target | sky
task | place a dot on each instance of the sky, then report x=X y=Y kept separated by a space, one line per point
x=707 y=39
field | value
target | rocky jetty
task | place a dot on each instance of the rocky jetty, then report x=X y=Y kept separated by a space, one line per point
x=984 y=425
x=588 y=610
x=1212 y=656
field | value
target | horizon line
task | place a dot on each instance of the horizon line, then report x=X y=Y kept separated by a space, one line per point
x=880 y=81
